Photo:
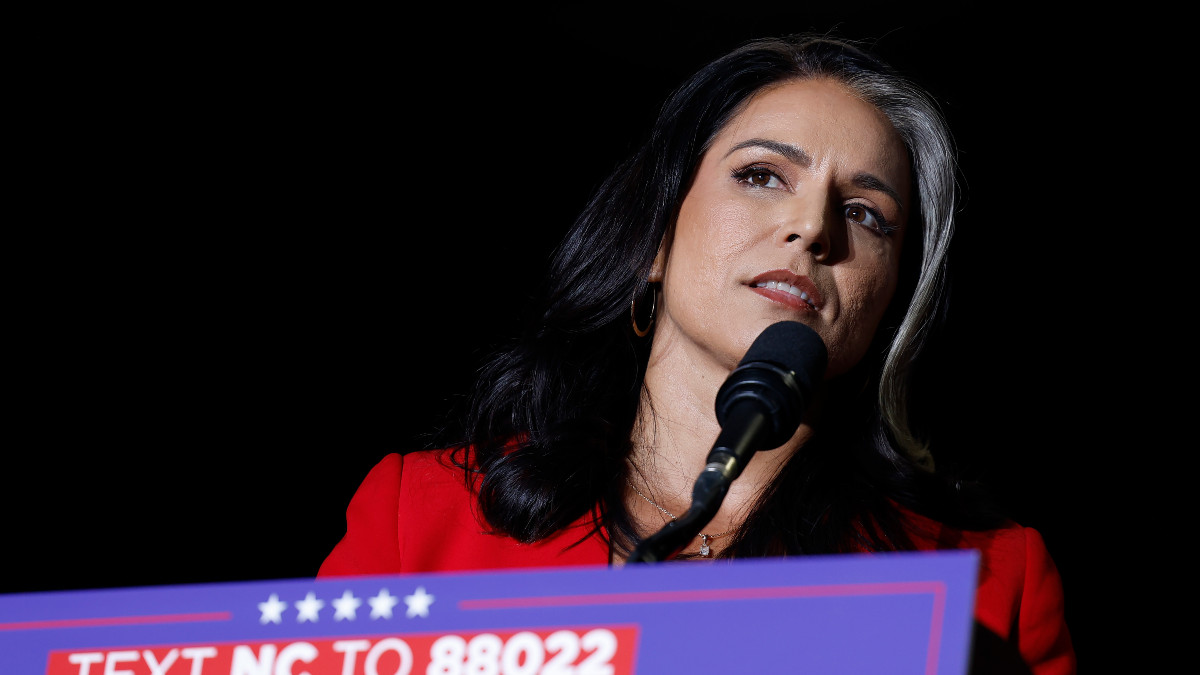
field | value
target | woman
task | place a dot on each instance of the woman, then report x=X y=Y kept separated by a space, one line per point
x=795 y=179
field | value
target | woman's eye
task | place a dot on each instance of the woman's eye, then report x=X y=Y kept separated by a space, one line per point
x=759 y=177
x=857 y=213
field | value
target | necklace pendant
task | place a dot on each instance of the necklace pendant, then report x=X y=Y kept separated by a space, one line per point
x=704 y=545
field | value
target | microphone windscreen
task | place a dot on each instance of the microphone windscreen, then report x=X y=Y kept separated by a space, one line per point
x=792 y=346
x=775 y=379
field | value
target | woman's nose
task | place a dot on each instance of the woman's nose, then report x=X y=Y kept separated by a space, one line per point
x=809 y=226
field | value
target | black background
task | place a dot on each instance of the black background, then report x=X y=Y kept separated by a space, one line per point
x=260 y=252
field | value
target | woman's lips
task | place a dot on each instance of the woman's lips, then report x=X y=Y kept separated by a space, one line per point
x=789 y=289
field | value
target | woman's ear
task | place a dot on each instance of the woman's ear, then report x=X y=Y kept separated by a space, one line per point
x=659 y=267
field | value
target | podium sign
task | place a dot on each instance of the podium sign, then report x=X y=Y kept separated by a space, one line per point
x=878 y=613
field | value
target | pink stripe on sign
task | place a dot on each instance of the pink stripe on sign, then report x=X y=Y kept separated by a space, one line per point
x=935 y=588
x=935 y=629
x=707 y=595
x=116 y=621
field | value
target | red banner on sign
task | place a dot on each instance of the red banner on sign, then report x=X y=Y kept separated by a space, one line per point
x=605 y=650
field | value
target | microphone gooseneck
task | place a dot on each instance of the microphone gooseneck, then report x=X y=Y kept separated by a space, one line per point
x=759 y=406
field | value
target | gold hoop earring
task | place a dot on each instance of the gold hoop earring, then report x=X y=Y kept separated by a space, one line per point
x=633 y=314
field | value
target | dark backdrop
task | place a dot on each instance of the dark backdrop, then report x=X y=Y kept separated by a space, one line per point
x=263 y=251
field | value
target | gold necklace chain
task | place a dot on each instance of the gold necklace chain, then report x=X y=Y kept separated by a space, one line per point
x=704 y=538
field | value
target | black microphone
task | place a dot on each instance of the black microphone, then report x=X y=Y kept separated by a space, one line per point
x=759 y=406
x=762 y=402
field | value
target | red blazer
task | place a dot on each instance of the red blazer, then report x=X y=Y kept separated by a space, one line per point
x=414 y=513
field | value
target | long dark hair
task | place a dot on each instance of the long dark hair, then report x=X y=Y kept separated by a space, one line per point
x=547 y=430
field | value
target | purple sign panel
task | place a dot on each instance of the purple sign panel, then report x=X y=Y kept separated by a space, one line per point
x=879 y=613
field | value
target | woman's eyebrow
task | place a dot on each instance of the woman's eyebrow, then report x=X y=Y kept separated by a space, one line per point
x=791 y=152
x=870 y=182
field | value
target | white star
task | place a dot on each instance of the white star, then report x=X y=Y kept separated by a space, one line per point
x=272 y=610
x=308 y=608
x=346 y=606
x=418 y=603
x=382 y=604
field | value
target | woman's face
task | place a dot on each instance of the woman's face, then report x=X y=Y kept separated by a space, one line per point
x=797 y=212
